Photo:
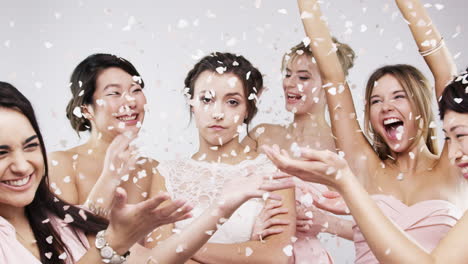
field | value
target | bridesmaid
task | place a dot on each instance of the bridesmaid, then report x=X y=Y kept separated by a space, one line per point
x=108 y=102
x=388 y=243
x=305 y=98
x=222 y=90
x=37 y=227
x=403 y=156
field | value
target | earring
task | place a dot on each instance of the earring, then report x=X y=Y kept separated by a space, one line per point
x=87 y=116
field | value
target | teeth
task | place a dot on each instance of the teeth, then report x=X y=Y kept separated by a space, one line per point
x=464 y=170
x=127 y=118
x=291 y=96
x=391 y=121
x=18 y=182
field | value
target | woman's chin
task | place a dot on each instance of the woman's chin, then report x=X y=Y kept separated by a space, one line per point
x=397 y=147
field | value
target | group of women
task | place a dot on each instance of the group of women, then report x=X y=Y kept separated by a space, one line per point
x=103 y=202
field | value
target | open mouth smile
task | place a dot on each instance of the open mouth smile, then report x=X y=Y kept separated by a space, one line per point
x=394 y=128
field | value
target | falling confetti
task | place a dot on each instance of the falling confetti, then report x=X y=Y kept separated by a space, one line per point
x=283 y=11
x=288 y=250
x=248 y=251
x=48 y=45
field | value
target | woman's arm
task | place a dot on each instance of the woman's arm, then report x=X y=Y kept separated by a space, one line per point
x=439 y=59
x=348 y=134
x=119 y=162
x=129 y=223
x=429 y=41
x=186 y=243
x=268 y=251
x=388 y=243
x=161 y=233
x=331 y=223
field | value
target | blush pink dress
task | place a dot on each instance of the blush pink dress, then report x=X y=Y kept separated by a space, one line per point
x=13 y=252
x=307 y=248
x=427 y=222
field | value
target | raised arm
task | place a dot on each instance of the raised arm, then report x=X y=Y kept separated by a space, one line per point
x=436 y=54
x=429 y=42
x=348 y=134
x=163 y=232
x=119 y=162
x=268 y=251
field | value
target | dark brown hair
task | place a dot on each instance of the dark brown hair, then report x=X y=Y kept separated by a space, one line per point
x=251 y=78
x=83 y=84
x=454 y=92
x=44 y=202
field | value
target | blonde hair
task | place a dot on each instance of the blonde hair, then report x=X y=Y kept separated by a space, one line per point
x=419 y=92
x=345 y=54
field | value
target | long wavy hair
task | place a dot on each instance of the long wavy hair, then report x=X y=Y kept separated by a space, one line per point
x=45 y=202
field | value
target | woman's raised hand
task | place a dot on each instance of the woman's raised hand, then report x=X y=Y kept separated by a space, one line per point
x=318 y=166
x=266 y=225
x=239 y=190
x=121 y=156
x=129 y=223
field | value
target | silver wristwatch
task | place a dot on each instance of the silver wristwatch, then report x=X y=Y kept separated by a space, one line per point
x=108 y=254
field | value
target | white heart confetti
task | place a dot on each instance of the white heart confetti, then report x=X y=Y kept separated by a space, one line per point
x=288 y=250
x=248 y=251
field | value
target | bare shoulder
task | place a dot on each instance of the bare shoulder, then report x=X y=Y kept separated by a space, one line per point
x=62 y=174
x=265 y=130
x=269 y=133
x=261 y=134
x=61 y=162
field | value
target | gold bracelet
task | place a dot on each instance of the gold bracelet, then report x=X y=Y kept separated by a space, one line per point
x=97 y=210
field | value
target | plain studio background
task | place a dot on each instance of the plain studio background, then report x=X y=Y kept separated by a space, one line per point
x=42 y=41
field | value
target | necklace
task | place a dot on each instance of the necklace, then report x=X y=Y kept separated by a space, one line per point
x=24 y=240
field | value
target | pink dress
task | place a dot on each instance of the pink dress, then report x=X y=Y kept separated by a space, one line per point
x=427 y=222
x=13 y=252
x=307 y=248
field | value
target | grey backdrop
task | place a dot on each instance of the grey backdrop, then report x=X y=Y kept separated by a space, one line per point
x=42 y=41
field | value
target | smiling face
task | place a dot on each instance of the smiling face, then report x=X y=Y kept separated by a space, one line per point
x=21 y=160
x=456 y=135
x=302 y=84
x=219 y=107
x=118 y=103
x=392 y=115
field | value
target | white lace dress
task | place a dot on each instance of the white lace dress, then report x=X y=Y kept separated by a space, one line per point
x=201 y=182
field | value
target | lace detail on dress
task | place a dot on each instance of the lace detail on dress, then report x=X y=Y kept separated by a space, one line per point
x=200 y=183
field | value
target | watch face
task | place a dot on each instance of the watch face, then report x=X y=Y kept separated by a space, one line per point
x=100 y=242
x=107 y=252
x=117 y=259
